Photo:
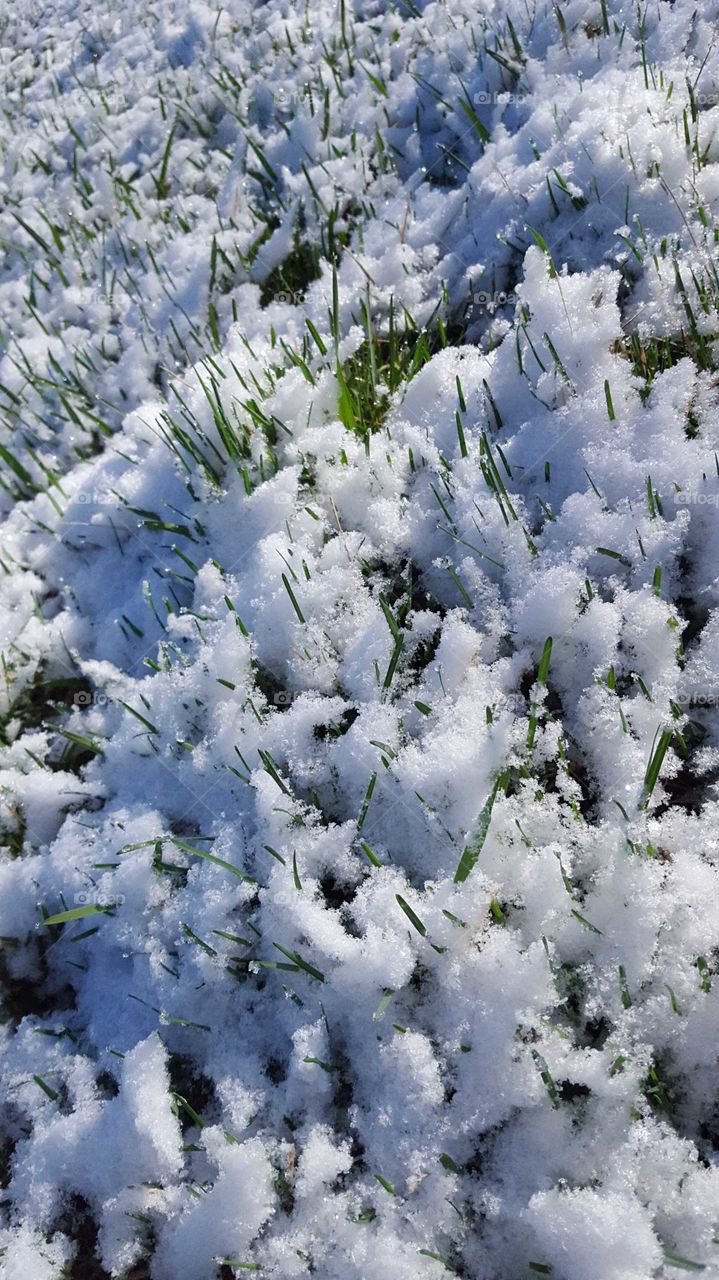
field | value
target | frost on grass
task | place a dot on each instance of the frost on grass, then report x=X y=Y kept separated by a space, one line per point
x=359 y=746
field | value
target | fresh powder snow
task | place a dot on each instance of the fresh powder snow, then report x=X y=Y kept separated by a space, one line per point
x=359 y=574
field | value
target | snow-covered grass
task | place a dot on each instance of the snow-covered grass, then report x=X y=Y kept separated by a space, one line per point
x=360 y=612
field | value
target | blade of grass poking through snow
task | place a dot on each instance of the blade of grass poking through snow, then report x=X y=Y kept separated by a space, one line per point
x=411 y=916
x=366 y=802
x=608 y=398
x=682 y=1264
x=542 y=673
x=541 y=242
x=78 y=739
x=335 y=316
x=471 y=851
x=75 y=913
x=179 y=1103
x=396 y=654
x=389 y=617
x=481 y=130
x=270 y=767
x=436 y=1257
x=210 y=857
x=301 y=964
x=151 y=728
x=587 y=923
x=198 y=941
x=384 y=1183
x=52 y=1094
x=547 y=1078
x=656 y=760
x=370 y=854
x=553 y=273
x=544 y=661
x=293 y=598
x=162 y=187
x=345 y=405
x=460 y=435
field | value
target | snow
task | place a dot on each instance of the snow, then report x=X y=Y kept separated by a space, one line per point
x=380 y=765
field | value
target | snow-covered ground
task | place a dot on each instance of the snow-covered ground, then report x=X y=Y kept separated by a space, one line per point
x=360 y=640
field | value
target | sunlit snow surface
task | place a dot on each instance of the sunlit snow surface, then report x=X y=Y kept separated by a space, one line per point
x=399 y=949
